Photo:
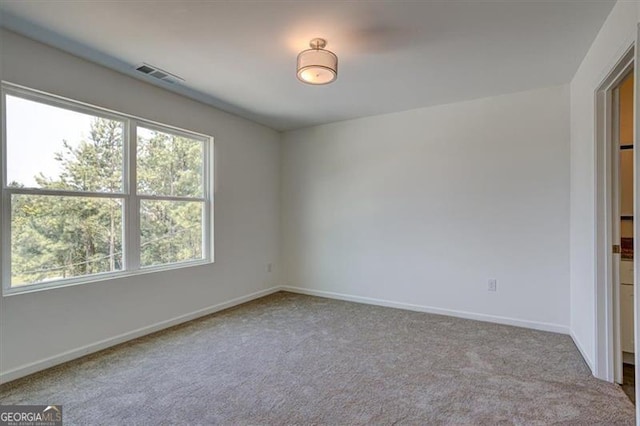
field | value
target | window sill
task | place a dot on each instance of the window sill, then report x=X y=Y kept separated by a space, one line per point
x=71 y=282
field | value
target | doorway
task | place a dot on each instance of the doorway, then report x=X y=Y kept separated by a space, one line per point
x=613 y=154
x=622 y=137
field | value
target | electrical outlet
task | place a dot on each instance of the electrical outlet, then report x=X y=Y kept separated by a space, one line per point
x=269 y=267
x=493 y=285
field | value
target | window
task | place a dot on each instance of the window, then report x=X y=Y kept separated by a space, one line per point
x=89 y=193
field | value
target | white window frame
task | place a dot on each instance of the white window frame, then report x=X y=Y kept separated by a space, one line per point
x=129 y=196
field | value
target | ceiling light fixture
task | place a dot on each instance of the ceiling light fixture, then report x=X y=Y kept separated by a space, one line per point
x=317 y=65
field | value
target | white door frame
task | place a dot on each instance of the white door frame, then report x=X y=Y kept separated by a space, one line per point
x=608 y=356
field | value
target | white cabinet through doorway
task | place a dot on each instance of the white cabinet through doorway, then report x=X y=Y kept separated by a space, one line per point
x=626 y=306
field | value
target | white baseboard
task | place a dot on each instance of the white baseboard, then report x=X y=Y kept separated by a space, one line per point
x=25 y=370
x=72 y=354
x=584 y=354
x=556 y=328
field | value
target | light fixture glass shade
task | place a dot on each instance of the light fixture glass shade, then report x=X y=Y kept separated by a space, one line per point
x=317 y=66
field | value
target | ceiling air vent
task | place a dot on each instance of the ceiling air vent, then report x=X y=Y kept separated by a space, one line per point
x=156 y=72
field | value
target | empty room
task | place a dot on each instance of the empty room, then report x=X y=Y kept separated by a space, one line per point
x=262 y=212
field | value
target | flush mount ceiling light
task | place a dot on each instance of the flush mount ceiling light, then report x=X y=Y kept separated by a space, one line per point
x=317 y=65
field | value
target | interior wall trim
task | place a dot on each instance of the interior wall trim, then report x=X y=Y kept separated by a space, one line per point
x=578 y=344
x=536 y=325
x=27 y=369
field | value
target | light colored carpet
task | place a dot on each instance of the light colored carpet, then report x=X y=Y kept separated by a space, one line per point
x=292 y=359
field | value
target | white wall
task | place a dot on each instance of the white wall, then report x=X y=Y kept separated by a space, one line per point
x=616 y=35
x=35 y=327
x=423 y=207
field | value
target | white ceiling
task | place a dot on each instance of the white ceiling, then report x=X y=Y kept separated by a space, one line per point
x=393 y=55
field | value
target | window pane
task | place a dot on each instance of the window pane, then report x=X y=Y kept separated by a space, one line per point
x=55 y=148
x=61 y=237
x=171 y=231
x=169 y=164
